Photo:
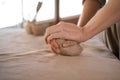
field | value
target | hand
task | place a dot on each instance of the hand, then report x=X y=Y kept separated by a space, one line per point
x=55 y=47
x=64 y=30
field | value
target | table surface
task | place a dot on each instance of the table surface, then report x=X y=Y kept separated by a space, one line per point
x=27 y=57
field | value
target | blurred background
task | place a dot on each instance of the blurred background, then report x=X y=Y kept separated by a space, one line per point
x=14 y=12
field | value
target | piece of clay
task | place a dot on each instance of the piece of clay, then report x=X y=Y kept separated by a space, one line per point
x=39 y=29
x=73 y=50
x=28 y=27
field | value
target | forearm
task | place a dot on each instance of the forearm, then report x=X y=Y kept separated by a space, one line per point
x=107 y=16
x=89 y=10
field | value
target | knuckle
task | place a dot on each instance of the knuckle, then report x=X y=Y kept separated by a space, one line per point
x=61 y=23
x=51 y=37
x=48 y=29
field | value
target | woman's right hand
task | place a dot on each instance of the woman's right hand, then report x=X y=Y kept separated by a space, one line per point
x=55 y=47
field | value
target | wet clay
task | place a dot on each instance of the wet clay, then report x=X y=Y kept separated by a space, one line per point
x=73 y=50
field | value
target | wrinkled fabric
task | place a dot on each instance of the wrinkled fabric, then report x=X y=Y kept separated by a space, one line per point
x=27 y=57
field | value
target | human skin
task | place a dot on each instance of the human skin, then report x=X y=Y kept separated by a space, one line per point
x=67 y=43
x=89 y=10
x=105 y=17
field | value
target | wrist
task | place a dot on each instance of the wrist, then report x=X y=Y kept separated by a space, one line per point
x=82 y=35
x=89 y=32
x=85 y=34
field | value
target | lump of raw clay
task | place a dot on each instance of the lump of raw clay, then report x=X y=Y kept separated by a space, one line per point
x=28 y=27
x=73 y=50
x=39 y=29
x=34 y=28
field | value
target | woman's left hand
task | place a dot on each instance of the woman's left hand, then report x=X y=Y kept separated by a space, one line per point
x=64 y=30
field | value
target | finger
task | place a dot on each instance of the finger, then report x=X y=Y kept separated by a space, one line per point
x=54 y=43
x=51 y=30
x=55 y=50
x=55 y=36
x=69 y=43
x=45 y=38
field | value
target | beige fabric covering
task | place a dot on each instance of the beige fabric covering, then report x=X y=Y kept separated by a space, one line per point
x=27 y=57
